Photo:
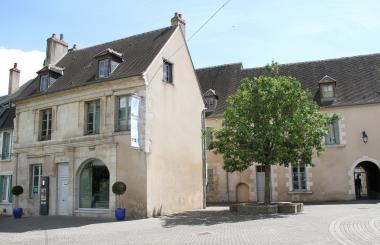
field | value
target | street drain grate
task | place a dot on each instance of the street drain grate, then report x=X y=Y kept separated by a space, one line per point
x=204 y=233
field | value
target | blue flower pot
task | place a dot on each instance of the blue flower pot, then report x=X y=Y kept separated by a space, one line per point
x=120 y=214
x=17 y=213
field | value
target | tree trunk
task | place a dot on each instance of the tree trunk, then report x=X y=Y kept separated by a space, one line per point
x=267 y=184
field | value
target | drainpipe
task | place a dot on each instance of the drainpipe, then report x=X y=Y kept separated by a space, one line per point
x=204 y=158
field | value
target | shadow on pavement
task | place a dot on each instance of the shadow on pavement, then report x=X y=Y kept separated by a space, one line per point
x=211 y=217
x=11 y=225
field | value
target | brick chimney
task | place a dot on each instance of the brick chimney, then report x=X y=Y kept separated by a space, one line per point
x=55 y=49
x=178 y=21
x=14 y=79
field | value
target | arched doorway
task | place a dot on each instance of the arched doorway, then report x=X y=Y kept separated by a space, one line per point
x=367 y=174
x=94 y=182
x=242 y=192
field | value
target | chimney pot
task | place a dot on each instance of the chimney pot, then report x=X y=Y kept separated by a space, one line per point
x=53 y=35
x=61 y=37
x=15 y=65
x=177 y=20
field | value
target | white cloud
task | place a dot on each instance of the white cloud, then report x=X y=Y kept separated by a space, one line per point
x=27 y=61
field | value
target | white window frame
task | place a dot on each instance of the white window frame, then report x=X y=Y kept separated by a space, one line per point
x=7 y=192
x=299 y=180
x=39 y=176
x=327 y=90
x=44 y=78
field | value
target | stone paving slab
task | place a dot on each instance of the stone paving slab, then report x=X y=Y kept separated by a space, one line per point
x=318 y=224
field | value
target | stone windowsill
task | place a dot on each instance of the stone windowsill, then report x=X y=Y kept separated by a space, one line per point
x=6 y=160
x=122 y=132
x=5 y=203
x=335 y=146
x=299 y=192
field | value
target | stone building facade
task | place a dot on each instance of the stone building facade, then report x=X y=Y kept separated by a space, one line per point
x=112 y=112
x=346 y=86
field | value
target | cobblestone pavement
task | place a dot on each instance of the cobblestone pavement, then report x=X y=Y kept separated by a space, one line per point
x=353 y=223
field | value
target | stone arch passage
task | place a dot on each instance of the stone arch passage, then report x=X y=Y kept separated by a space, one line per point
x=369 y=173
x=94 y=182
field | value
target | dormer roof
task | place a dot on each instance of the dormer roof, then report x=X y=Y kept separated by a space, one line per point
x=327 y=79
x=56 y=69
x=109 y=51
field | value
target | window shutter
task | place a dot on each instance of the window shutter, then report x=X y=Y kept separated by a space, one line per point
x=1 y=188
x=10 y=196
x=336 y=133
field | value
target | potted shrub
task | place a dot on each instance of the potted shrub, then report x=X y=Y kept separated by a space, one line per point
x=17 y=190
x=119 y=188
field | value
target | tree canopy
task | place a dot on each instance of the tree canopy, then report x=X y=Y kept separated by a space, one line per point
x=269 y=120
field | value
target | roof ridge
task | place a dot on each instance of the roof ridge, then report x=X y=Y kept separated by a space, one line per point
x=317 y=61
x=216 y=66
x=121 y=39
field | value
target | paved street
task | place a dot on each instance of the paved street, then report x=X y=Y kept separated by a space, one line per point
x=349 y=223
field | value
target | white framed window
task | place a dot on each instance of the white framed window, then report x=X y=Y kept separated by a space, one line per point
x=328 y=91
x=36 y=175
x=167 y=72
x=93 y=117
x=5 y=188
x=332 y=138
x=123 y=113
x=6 y=145
x=45 y=126
x=299 y=180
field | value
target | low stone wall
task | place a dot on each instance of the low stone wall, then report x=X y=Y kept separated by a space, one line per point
x=274 y=208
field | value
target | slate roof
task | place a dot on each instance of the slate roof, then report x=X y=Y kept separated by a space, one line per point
x=80 y=66
x=7 y=108
x=222 y=79
x=357 y=79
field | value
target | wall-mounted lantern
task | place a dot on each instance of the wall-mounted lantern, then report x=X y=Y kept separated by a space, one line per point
x=364 y=137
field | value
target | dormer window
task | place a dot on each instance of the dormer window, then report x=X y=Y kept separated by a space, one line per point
x=48 y=75
x=108 y=60
x=211 y=99
x=44 y=83
x=327 y=87
x=328 y=91
x=106 y=67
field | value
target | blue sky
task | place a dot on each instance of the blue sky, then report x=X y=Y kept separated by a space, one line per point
x=253 y=32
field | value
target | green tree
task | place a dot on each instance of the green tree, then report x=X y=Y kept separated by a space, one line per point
x=270 y=120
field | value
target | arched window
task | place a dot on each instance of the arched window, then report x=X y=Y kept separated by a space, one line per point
x=94 y=182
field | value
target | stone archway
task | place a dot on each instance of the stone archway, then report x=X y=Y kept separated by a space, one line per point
x=93 y=185
x=368 y=174
x=242 y=192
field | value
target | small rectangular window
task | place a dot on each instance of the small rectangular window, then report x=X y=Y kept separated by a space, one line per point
x=103 y=68
x=44 y=83
x=35 y=179
x=45 y=124
x=299 y=178
x=93 y=117
x=168 y=72
x=6 y=146
x=332 y=138
x=124 y=113
x=5 y=188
